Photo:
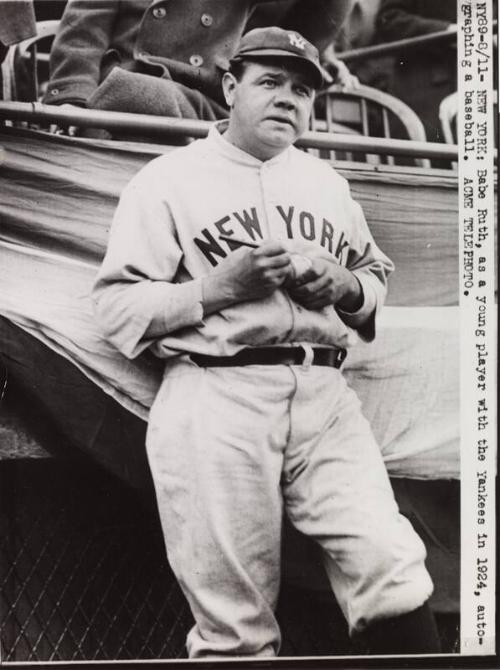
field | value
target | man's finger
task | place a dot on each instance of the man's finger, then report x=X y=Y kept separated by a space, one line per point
x=278 y=261
x=271 y=248
x=313 y=287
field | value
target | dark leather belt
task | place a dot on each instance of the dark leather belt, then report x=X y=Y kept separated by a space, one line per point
x=332 y=358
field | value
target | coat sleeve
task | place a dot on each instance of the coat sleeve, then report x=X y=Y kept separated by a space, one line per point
x=17 y=21
x=370 y=266
x=83 y=37
x=136 y=300
x=400 y=19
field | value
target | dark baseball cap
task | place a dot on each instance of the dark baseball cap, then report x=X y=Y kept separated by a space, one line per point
x=274 y=41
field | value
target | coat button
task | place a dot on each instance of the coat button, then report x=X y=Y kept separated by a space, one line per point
x=159 y=12
x=196 y=60
x=207 y=20
x=54 y=91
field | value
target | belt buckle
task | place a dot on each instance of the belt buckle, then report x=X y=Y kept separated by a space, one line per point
x=341 y=356
x=307 y=361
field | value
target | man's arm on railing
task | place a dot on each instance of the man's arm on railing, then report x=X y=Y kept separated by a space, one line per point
x=399 y=19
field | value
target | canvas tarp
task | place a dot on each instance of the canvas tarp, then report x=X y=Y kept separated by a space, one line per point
x=57 y=196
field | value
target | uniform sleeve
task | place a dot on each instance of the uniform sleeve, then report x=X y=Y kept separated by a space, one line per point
x=136 y=301
x=371 y=267
x=83 y=37
x=398 y=19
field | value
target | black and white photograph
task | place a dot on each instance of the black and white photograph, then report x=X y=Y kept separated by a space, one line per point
x=248 y=332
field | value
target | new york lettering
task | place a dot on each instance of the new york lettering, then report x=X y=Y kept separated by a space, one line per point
x=298 y=224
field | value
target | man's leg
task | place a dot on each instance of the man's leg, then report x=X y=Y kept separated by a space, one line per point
x=215 y=444
x=412 y=633
x=337 y=490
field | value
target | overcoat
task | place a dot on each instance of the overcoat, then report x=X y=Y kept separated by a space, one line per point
x=188 y=42
x=17 y=23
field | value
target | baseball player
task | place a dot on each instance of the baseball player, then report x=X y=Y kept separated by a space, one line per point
x=245 y=264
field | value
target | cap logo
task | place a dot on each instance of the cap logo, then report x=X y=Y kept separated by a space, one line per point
x=297 y=41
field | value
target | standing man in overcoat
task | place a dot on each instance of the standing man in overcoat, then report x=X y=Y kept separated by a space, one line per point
x=163 y=57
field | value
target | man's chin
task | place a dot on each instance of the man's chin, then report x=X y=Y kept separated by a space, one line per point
x=280 y=137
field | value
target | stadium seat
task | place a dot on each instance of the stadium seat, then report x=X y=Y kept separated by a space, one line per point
x=25 y=69
x=447 y=116
x=369 y=112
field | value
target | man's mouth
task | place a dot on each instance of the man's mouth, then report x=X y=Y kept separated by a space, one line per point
x=281 y=119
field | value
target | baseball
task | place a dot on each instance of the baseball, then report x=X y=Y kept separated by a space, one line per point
x=300 y=265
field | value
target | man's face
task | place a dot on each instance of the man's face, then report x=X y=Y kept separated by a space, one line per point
x=270 y=106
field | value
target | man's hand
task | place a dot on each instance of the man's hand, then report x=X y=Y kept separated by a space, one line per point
x=58 y=129
x=342 y=76
x=327 y=283
x=246 y=274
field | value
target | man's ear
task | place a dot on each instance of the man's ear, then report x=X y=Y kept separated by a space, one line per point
x=229 y=83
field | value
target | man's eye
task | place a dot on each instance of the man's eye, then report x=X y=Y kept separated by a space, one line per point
x=269 y=83
x=303 y=91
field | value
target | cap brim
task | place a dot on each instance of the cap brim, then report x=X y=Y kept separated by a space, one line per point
x=321 y=76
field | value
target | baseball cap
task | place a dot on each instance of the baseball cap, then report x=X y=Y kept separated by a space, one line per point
x=274 y=41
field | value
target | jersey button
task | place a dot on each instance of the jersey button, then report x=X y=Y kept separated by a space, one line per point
x=196 y=60
x=159 y=12
x=206 y=20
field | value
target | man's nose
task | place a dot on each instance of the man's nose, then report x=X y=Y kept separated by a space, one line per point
x=285 y=97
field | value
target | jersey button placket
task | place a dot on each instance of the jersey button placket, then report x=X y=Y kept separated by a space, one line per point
x=270 y=196
x=273 y=200
x=264 y=187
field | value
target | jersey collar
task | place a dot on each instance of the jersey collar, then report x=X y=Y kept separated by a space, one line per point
x=216 y=137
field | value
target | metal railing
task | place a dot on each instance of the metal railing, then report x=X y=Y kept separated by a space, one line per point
x=393 y=48
x=157 y=126
x=406 y=45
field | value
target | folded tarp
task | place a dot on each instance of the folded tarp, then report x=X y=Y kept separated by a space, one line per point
x=57 y=196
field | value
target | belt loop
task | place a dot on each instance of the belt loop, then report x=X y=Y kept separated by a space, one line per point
x=308 y=356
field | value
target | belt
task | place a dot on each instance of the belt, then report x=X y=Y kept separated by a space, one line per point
x=331 y=357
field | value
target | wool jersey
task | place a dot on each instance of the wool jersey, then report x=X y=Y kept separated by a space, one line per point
x=165 y=237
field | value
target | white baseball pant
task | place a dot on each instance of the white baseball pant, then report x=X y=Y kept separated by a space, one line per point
x=228 y=449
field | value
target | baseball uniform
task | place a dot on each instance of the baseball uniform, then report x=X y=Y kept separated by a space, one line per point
x=231 y=448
